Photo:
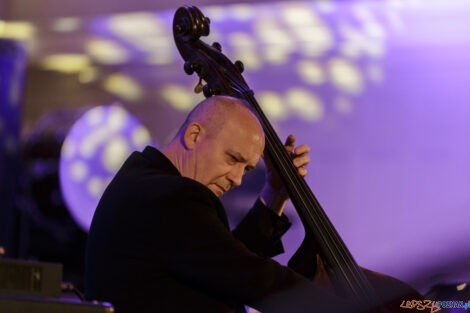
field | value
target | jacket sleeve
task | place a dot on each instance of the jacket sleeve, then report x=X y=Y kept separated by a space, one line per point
x=195 y=247
x=261 y=230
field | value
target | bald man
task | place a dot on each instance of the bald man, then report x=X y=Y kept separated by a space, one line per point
x=160 y=239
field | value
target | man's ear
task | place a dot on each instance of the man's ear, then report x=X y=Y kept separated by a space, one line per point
x=194 y=132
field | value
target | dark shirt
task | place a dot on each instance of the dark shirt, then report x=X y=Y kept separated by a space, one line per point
x=160 y=242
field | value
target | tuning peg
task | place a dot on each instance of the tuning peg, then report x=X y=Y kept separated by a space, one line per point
x=217 y=46
x=207 y=91
x=239 y=65
x=188 y=68
x=199 y=87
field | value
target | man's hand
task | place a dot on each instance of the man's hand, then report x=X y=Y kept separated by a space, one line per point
x=274 y=194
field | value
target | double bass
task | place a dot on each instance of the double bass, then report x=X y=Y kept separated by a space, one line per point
x=222 y=77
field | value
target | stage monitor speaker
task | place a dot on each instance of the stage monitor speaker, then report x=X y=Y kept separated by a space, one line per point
x=21 y=304
x=30 y=278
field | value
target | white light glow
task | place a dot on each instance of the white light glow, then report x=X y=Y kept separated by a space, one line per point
x=140 y=137
x=305 y=104
x=345 y=76
x=138 y=24
x=78 y=171
x=311 y=72
x=115 y=153
x=95 y=187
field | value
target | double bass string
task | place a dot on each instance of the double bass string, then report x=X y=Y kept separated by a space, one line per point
x=338 y=252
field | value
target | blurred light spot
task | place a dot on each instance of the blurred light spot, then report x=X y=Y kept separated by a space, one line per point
x=272 y=105
x=310 y=72
x=95 y=187
x=216 y=12
x=179 y=97
x=242 y=12
x=241 y=40
x=123 y=86
x=136 y=25
x=66 y=63
x=276 y=55
x=66 y=24
x=374 y=30
x=271 y=33
x=325 y=6
x=78 y=171
x=350 y=49
x=115 y=153
x=153 y=44
x=140 y=137
x=94 y=116
x=249 y=57
x=87 y=75
x=374 y=49
x=68 y=148
x=298 y=15
x=345 y=75
x=102 y=138
x=375 y=73
x=17 y=30
x=305 y=104
x=160 y=59
x=106 y=51
x=319 y=35
x=117 y=118
x=461 y=286
x=362 y=12
x=342 y=105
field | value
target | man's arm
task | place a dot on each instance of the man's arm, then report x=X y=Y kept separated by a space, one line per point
x=198 y=249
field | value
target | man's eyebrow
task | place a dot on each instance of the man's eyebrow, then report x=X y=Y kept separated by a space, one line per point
x=240 y=158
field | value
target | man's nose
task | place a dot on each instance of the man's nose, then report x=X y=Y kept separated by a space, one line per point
x=236 y=175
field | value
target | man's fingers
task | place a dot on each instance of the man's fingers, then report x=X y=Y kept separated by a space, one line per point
x=290 y=142
x=302 y=149
x=301 y=161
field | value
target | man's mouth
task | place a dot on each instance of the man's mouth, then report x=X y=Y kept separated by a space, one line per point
x=221 y=189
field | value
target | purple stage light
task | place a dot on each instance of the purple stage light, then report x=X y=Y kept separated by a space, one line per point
x=93 y=151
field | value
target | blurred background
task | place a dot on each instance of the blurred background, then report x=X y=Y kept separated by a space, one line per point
x=378 y=89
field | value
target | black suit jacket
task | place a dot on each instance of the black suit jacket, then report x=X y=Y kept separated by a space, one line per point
x=160 y=242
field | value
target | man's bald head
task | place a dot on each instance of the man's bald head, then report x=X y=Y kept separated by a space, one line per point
x=212 y=113
x=218 y=143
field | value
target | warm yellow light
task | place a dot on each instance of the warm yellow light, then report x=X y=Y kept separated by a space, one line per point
x=461 y=287
x=305 y=104
x=17 y=30
x=141 y=137
x=180 y=98
x=123 y=86
x=138 y=24
x=345 y=76
x=311 y=72
x=66 y=24
x=106 y=51
x=241 y=40
x=88 y=75
x=66 y=63
x=272 y=104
